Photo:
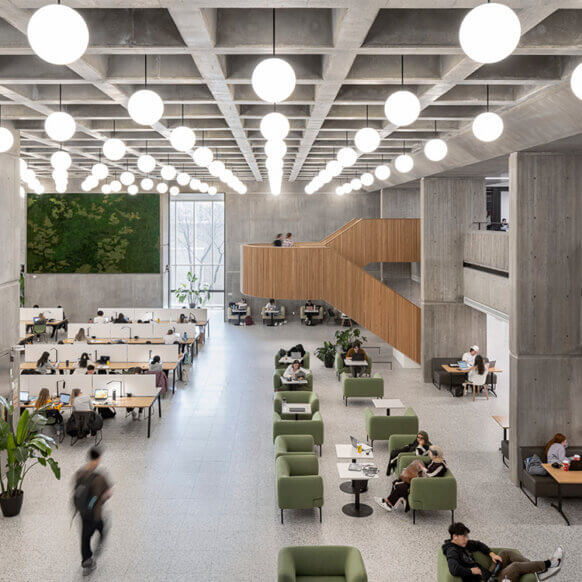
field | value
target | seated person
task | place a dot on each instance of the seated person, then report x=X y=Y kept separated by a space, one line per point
x=121 y=319
x=509 y=564
x=80 y=402
x=90 y=370
x=298 y=349
x=295 y=372
x=241 y=304
x=182 y=319
x=420 y=446
x=288 y=241
x=271 y=306
x=156 y=364
x=136 y=415
x=478 y=372
x=41 y=319
x=504 y=225
x=171 y=338
x=278 y=242
x=81 y=336
x=401 y=487
x=100 y=318
x=470 y=356
x=43 y=366
x=556 y=448
x=308 y=315
x=83 y=362
x=53 y=409
x=357 y=349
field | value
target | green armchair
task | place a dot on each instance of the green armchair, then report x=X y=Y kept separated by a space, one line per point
x=362 y=387
x=397 y=441
x=295 y=397
x=381 y=427
x=304 y=362
x=429 y=494
x=312 y=426
x=321 y=564
x=444 y=574
x=299 y=485
x=278 y=384
x=294 y=444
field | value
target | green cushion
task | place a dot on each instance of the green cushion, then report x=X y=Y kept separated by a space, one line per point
x=362 y=387
x=313 y=426
x=298 y=484
x=295 y=397
x=397 y=441
x=298 y=444
x=381 y=427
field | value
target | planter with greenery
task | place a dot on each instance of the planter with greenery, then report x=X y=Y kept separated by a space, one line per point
x=326 y=354
x=194 y=295
x=25 y=448
x=347 y=337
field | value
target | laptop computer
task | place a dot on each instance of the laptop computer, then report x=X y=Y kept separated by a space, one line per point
x=35 y=319
x=463 y=365
x=576 y=465
x=492 y=363
x=101 y=394
x=296 y=355
x=65 y=398
x=359 y=357
x=24 y=397
x=355 y=442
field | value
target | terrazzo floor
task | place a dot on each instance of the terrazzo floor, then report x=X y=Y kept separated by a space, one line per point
x=197 y=501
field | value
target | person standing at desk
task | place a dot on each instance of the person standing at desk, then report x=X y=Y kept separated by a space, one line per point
x=278 y=242
x=356 y=350
x=470 y=356
x=43 y=366
x=295 y=372
x=288 y=241
x=100 y=318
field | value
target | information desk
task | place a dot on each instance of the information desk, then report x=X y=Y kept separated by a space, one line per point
x=562 y=477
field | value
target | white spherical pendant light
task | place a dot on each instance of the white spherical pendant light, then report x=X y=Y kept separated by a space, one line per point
x=212 y=190
x=203 y=156
x=133 y=189
x=489 y=33
x=106 y=189
x=325 y=176
x=242 y=189
x=275 y=149
x=435 y=149
x=182 y=138
x=404 y=163
x=347 y=157
x=114 y=149
x=23 y=165
x=162 y=187
x=576 y=81
x=6 y=140
x=174 y=190
x=487 y=126
x=60 y=175
x=204 y=187
x=382 y=172
x=115 y=186
x=146 y=163
x=402 y=108
x=274 y=164
x=58 y=34
x=348 y=188
x=61 y=160
x=275 y=126
x=367 y=179
x=194 y=184
x=92 y=182
x=273 y=80
x=127 y=178
x=216 y=167
x=145 y=107
x=61 y=188
x=147 y=184
x=100 y=171
x=183 y=179
x=334 y=168
x=339 y=190
x=60 y=126
x=356 y=184
x=28 y=175
x=22 y=192
x=168 y=172
x=367 y=139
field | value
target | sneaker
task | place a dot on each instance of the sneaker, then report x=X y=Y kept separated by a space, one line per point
x=555 y=564
x=382 y=504
x=88 y=566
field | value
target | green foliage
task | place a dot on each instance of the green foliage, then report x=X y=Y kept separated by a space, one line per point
x=93 y=233
x=24 y=448
x=326 y=353
x=191 y=292
x=347 y=337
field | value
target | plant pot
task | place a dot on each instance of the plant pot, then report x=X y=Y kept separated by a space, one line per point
x=11 y=505
x=329 y=361
x=192 y=305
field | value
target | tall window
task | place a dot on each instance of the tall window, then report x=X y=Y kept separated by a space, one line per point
x=197 y=244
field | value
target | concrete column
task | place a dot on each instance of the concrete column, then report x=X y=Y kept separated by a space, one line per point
x=545 y=263
x=448 y=207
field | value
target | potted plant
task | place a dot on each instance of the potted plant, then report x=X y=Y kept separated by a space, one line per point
x=346 y=338
x=195 y=295
x=326 y=354
x=25 y=448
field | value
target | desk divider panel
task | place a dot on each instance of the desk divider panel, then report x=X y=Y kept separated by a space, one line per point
x=141 y=353
x=27 y=313
x=116 y=353
x=33 y=383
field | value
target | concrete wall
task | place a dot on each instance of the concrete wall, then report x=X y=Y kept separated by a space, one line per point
x=490 y=290
x=258 y=216
x=400 y=202
x=487 y=248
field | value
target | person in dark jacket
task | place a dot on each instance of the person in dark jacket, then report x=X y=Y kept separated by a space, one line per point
x=508 y=563
x=278 y=242
x=420 y=446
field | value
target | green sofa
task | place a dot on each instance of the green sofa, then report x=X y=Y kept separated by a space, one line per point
x=295 y=397
x=304 y=362
x=397 y=441
x=299 y=485
x=444 y=574
x=321 y=564
x=381 y=427
x=340 y=366
x=312 y=426
x=362 y=387
x=429 y=494
x=278 y=385
x=294 y=444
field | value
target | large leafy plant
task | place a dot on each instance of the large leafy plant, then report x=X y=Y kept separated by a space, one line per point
x=326 y=353
x=347 y=337
x=25 y=448
x=188 y=291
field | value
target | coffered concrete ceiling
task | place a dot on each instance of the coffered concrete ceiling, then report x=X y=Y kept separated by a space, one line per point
x=346 y=55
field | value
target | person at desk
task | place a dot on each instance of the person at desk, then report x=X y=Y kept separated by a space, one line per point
x=43 y=366
x=309 y=315
x=508 y=565
x=81 y=368
x=81 y=336
x=295 y=372
x=278 y=242
x=53 y=409
x=470 y=356
x=90 y=370
x=121 y=319
x=288 y=240
x=156 y=364
x=100 y=318
x=171 y=338
x=80 y=402
x=504 y=225
x=556 y=448
x=41 y=319
x=357 y=349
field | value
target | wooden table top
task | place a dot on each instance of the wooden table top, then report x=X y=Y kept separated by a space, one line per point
x=130 y=341
x=124 y=402
x=112 y=366
x=502 y=421
x=564 y=477
x=451 y=370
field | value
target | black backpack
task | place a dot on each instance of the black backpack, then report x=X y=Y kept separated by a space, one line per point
x=83 y=498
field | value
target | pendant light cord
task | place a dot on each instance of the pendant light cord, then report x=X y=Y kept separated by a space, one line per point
x=145 y=71
x=402 y=70
x=367 y=123
x=182 y=114
x=487 y=98
x=435 y=126
x=60 y=98
x=273 y=32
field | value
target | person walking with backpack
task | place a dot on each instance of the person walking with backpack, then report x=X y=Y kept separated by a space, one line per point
x=91 y=491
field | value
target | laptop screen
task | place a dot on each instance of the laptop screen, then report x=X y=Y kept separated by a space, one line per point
x=35 y=319
x=65 y=398
x=24 y=397
x=359 y=357
x=101 y=394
